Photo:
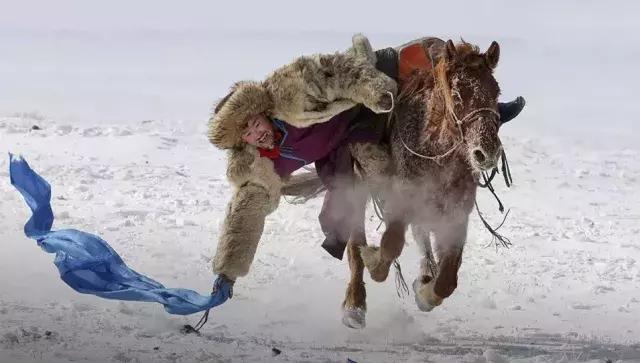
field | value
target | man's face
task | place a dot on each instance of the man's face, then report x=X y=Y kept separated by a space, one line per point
x=259 y=132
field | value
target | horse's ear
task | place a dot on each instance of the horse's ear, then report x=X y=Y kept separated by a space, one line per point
x=450 y=51
x=492 y=55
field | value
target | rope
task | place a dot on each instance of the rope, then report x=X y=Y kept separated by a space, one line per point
x=487 y=185
x=506 y=171
x=402 y=289
x=188 y=329
x=435 y=158
x=459 y=123
x=504 y=241
x=487 y=179
x=393 y=103
x=378 y=208
x=431 y=263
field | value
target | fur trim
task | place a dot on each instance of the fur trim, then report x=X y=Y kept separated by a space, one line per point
x=230 y=118
x=314 y=89
x=246 y=166
x=310 y=90
x=241 y=231
x=257 y=193
x=361 y=47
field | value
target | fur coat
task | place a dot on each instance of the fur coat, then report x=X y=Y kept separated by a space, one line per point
x=310 y=90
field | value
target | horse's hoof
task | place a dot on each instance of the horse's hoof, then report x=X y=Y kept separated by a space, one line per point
x=378 y=269
x=425 y=297
x=379 y=273
x=353 y=318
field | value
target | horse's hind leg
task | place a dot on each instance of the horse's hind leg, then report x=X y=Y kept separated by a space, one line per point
x=354 y=306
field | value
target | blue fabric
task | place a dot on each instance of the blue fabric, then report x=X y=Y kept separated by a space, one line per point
x=89 y=265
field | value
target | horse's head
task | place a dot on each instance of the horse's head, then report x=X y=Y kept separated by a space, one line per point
x=471 y=99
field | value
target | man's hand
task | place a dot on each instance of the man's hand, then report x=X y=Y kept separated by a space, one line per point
x=224 y=285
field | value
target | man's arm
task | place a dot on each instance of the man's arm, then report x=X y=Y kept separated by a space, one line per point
x=257 y=195
x=313 y=89
x=241 y=232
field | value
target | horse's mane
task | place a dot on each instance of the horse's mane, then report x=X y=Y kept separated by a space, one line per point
x=414 y=85
x=420 y=80
x=466 y=52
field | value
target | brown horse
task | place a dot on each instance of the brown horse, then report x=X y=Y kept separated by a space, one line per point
x=445 y=134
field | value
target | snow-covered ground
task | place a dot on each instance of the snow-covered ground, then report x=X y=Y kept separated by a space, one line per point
x=122 y=113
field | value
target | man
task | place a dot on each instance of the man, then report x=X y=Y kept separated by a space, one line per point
x=265 y=148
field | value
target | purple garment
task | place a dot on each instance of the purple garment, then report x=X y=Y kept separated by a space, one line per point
x=327 y=144
x=303 y=146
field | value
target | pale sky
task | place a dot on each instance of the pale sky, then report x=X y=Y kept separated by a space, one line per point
x=488 y=17
x=128 y=60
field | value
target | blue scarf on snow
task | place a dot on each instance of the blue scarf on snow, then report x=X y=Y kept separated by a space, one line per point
x=89 y=265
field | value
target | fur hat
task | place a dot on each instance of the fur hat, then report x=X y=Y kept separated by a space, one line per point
x=229 y=119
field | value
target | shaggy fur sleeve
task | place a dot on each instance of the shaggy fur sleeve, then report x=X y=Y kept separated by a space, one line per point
x=313 y=89
x=257 y=192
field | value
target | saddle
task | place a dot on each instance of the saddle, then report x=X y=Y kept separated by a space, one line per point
x=400 y=62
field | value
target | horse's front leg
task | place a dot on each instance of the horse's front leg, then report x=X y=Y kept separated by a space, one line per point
x=430 y=292
x=379 y=260
x=428 y=266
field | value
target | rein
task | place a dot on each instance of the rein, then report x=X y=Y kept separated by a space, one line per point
x=487 y=178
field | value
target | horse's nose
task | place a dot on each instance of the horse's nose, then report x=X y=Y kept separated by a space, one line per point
x=483 y=160
x=479 y=156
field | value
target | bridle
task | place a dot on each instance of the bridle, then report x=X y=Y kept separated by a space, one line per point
x=459 y=122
